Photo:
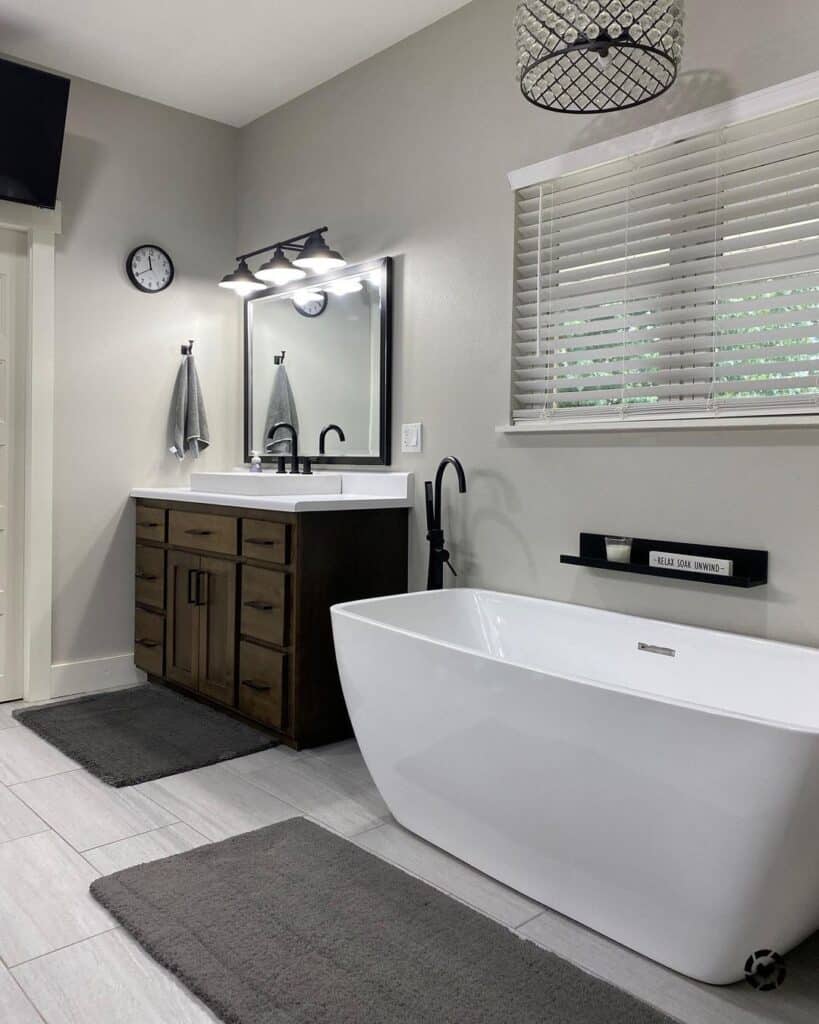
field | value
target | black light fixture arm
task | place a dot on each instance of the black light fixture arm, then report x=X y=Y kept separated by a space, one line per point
x=294 y=244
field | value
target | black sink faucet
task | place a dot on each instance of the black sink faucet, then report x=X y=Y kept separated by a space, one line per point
x=326 y=431
x=294 y=445
x=438 y=554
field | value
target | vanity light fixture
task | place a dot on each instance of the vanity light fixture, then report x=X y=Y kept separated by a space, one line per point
x=242 y=281
x=312 y=253
x=279 y=270
x=318 y=256
x=597 y=56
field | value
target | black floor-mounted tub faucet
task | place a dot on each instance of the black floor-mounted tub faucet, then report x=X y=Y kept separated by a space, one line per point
x=438 y=554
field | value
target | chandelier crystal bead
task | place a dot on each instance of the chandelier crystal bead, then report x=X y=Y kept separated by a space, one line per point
x=596 y=56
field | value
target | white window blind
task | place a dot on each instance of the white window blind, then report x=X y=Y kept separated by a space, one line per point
x=680 y=282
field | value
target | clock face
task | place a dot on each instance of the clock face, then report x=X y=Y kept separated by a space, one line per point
x=312 y=305
x=149 y=268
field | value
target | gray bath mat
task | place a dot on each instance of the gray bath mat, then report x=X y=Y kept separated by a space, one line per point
x=140 y=734
x=293 y=925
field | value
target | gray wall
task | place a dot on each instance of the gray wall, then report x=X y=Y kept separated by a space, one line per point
x=406 y=155
x=133 y=171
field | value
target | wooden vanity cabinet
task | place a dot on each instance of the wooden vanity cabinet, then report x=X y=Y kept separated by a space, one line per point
x=233 y=605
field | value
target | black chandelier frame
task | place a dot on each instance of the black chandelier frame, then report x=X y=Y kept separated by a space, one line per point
x=594 y=48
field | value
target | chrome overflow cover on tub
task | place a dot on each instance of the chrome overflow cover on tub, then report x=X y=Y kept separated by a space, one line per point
x=667 y=652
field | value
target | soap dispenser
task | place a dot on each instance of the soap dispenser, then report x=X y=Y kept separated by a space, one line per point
x=255 y=463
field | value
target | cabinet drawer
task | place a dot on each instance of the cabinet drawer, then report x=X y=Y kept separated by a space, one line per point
x=264 y=605
x=203 y=532
x=264 y=541
x=148 y=642
x=150 y=576
x=262 y=684
x=150 y=523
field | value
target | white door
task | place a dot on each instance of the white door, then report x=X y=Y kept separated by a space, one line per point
x=12 y=412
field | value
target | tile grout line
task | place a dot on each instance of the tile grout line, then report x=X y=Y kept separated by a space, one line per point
x=39 y=832
x=124 y=839
x=38 y=778
x=27 y=997
x=77 y=942
x=529 y=920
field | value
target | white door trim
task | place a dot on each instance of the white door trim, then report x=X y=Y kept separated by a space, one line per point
x=40 y=228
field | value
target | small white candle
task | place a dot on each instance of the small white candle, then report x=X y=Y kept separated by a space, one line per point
x=618 y=549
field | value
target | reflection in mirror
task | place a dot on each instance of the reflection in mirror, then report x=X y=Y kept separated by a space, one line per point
x=318 y=353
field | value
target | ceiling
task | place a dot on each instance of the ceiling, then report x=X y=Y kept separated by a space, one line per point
x=230 y=60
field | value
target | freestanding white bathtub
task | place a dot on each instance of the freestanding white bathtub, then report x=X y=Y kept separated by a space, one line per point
x=666 y=796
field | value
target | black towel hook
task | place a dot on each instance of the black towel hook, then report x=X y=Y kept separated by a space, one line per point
x=278 y=360
x=187 y=349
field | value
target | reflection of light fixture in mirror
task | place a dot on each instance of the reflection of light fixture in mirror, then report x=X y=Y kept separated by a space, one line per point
x=242 y=281
x=305 y=297
x=346 y=286
x=318 y=256
x=279 y=270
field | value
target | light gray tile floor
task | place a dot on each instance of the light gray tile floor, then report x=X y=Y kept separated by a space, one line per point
x=64 y=960
x=88 y=813
x=16 y=819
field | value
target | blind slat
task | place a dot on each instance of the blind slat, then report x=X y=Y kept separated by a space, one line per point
x=674 y=282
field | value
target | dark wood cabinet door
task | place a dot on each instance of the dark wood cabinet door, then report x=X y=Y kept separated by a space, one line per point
x=216 y=589
x=182 y=624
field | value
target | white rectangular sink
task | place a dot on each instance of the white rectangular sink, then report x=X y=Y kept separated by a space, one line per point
x=267 y=483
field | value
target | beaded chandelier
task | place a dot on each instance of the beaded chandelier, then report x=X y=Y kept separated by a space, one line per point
x=597 y=56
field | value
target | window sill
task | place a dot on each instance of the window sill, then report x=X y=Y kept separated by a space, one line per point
x=634 y=423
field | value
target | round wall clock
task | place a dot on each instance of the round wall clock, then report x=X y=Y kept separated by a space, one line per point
x=312 y=305
x=149 y=268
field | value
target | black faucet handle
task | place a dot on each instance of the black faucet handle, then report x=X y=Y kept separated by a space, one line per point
x=307 y=466
x=448 y=562
x=282 y=464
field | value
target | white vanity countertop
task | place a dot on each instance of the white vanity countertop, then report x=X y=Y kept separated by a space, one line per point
x=358 y=491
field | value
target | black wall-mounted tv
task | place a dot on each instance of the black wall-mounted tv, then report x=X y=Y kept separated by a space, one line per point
x=33 y=106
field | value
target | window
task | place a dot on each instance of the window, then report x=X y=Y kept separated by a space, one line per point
x=680 y=283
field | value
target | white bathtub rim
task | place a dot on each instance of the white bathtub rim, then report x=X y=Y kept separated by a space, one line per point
x=347 y=609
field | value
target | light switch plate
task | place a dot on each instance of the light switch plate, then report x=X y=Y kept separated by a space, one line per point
x=412 y=438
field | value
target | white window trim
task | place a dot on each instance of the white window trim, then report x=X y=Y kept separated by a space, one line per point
x=741 y=108
x=40 y=228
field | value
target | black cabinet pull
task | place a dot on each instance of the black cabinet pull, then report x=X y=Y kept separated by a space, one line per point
x=202 y=578
x=261 y=543
x=140 y=575
x=259 y=606
x=199 y=533
x=150 y=526
x=147 y=643
x=256 y=686
x=193 y=597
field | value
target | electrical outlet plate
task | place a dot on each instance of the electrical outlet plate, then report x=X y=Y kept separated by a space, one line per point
x=412 y=438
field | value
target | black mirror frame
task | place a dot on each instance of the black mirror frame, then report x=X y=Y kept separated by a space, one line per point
x=384 y=457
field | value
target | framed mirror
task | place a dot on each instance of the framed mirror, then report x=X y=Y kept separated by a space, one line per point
x=317 y=353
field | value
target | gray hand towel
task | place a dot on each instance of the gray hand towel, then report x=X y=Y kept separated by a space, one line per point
x=281 y=409
x=188 y=423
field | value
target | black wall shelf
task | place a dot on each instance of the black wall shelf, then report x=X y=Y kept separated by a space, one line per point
x=750 y=567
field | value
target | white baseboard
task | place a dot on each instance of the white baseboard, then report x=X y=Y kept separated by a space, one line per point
x=75 y=677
